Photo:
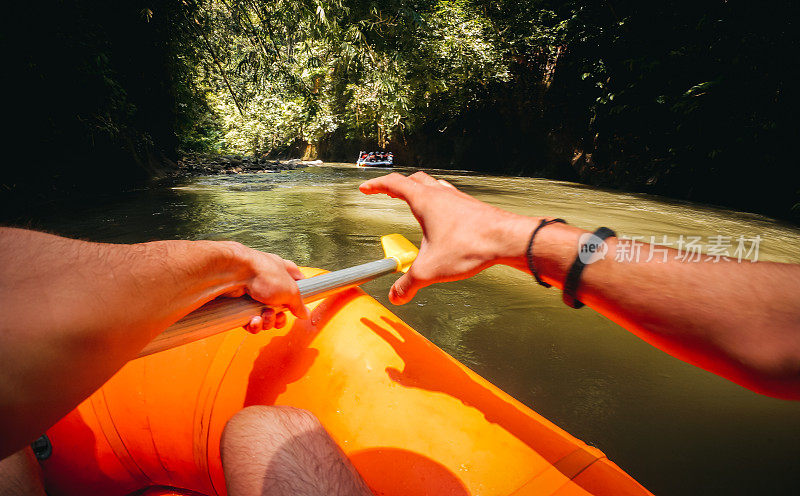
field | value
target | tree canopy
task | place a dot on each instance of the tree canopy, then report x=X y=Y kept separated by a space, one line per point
x=693 y=100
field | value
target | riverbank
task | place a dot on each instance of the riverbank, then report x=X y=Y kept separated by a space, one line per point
x=21 y=196
x=201 y=164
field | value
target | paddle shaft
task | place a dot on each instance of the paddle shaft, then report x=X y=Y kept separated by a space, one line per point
x=223 y=314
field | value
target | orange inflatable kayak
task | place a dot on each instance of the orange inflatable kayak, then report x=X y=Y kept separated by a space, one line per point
x=413 y=420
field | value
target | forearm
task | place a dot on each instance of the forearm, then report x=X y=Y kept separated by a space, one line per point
x=84 y=309
x=739 y=320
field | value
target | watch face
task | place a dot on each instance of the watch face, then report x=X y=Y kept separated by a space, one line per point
x=42 y=448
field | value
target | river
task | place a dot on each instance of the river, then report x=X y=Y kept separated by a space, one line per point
x=675 y=428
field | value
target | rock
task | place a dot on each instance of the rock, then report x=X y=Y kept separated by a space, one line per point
x=236 y=164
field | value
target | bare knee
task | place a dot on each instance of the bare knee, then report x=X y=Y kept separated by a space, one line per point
x=287 y=416
x=284 y=450
x=259 y=426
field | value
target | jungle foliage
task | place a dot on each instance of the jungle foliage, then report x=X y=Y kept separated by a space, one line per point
x=689 y=99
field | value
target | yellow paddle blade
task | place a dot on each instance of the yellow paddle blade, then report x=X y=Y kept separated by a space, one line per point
x=397 y=247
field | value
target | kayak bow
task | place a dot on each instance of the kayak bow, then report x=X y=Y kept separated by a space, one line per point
x=413 y=420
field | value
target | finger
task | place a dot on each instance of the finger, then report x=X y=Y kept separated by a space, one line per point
x=293 y=270
x=268 y=316
x=280 y=320
x=255 y=325
x=394 y=184
x=403 y=289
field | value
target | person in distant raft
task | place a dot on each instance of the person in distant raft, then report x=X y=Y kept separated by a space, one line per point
x=73 y=313
x=737 y=320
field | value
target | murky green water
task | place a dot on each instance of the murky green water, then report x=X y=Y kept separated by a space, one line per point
x=677 y=429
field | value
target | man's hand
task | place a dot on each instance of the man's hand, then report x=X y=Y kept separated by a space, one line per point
x=272 y=281
x=461 y=235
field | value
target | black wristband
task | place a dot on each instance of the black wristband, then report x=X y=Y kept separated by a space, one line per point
x=529 y=251
x=574 y=274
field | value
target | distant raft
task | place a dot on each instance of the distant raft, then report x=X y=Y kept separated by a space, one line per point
x=375 y=159
x=412 y=419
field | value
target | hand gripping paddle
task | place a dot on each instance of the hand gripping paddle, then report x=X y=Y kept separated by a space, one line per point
x=223 y=314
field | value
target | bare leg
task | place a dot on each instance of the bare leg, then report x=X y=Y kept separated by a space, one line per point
x=20 y=475
x=275 y=450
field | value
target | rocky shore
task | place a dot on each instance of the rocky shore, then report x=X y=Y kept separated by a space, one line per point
x=237 y=164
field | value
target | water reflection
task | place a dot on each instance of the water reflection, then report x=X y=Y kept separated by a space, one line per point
x=678 y=429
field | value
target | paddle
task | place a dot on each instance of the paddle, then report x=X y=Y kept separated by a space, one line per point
x=223 y=314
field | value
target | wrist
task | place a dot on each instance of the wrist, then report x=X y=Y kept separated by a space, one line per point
x=554 y=250
x=510 y=236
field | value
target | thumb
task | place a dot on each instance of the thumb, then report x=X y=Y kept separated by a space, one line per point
x=299 y=309
x=296 y=305
x=403 y=289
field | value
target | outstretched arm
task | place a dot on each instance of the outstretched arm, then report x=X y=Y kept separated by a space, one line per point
x=74 y=312
x=738 y=320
